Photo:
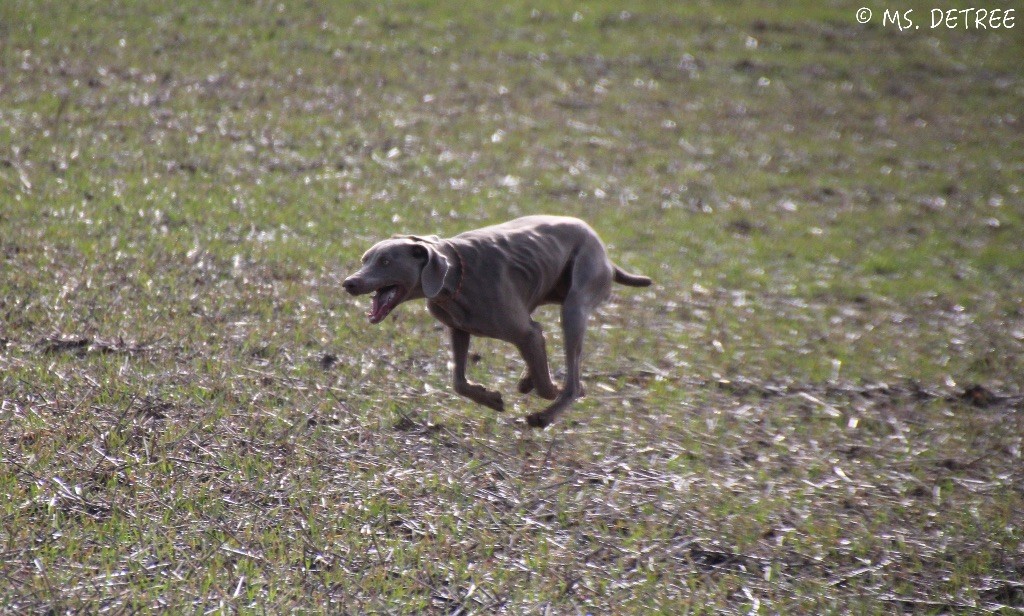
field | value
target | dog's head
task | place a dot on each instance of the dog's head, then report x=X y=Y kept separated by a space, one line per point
x=397 y=270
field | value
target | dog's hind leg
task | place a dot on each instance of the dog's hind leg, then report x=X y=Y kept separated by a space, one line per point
x=591 y=285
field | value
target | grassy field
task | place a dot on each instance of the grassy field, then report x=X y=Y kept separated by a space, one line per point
x=816 y=409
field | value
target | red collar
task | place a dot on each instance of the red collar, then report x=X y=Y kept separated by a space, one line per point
x=462 y=272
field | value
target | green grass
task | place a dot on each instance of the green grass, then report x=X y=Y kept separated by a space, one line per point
x=195 y=418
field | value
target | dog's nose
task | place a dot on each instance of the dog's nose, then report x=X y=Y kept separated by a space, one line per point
x=350 y=285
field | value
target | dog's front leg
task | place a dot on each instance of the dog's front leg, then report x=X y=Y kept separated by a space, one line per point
x=476 y=393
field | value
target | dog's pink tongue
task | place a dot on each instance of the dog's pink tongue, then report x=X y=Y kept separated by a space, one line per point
x=381 y=305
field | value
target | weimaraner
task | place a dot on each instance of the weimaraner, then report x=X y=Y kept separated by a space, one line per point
x=487 y=282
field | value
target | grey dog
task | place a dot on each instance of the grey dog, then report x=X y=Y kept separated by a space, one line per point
x=487 y=282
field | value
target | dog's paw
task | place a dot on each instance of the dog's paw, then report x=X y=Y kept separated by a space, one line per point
x=492 y=399
x=481 y=395
x=550 y=394
x=538 y=420
x=526 y=385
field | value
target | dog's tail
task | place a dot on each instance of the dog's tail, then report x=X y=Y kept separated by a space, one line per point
x=631 y=280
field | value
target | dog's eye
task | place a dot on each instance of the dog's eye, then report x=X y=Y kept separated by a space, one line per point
x=384 y=262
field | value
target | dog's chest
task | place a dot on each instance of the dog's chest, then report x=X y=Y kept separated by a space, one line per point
x=456 y=317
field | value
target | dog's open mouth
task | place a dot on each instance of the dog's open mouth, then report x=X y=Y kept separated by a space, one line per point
x=384 y=301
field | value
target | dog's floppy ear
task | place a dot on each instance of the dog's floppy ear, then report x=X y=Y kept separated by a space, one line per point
x=434 y=272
